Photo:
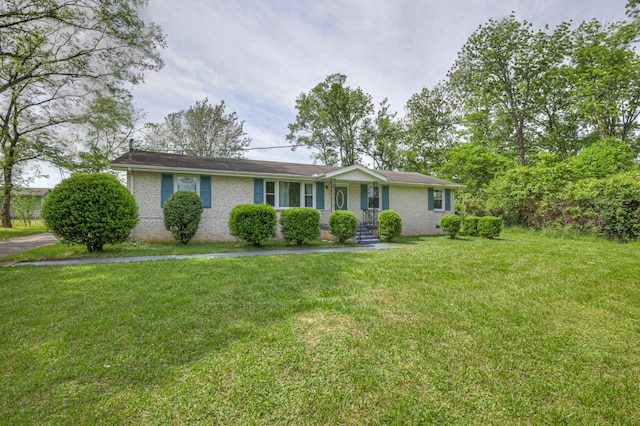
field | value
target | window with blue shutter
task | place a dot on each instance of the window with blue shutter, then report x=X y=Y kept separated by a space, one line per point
x=205 y=191
x=166 y=188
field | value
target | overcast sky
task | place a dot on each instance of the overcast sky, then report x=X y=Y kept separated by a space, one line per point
x=259 y=55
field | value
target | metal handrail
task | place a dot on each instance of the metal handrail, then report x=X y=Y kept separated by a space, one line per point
x=370 y=217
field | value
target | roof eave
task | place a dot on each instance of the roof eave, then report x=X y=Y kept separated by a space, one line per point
x=196 y=171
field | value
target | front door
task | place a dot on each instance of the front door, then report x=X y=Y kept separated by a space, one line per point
x=341 y=198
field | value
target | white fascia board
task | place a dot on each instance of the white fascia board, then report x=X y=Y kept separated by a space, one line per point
x=192 y=171
x=355 y=167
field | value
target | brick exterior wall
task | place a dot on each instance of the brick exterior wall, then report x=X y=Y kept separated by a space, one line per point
x=227 y=192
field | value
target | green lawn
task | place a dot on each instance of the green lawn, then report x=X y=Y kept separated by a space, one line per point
x=521 y=330
x=61 y=251
x=19 y=230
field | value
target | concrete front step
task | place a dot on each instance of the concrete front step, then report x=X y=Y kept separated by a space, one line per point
x=364 y=236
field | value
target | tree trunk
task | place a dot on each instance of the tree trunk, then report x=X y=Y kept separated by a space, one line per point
x=5 y=214
x=519 y=124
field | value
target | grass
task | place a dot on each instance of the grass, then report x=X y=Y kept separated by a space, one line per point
x=521 y=330
x=19 y=230
x=61 y=251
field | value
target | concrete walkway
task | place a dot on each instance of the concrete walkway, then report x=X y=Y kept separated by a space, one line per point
x=19 y=244
x=11 y=246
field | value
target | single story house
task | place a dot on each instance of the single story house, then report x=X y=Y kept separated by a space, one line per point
x=223 y=183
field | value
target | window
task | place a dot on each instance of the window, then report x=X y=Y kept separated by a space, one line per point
x=308 y=195
x=288 y=194
x=373 y=193
x=437 y=199
x=270 y=192
x=187 y=183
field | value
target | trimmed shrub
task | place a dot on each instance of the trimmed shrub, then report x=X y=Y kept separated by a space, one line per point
x=343 y=224
x=450 y=223
x=253 y=223
x=389 y=225
x=300 y=225
x=490 y=226
x=470 y=225
x=90 y=209
x=182 y=212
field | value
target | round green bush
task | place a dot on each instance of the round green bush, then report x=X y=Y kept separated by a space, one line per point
x=389 y=225
x=450 y=223
x=300 y=225
x=490 y=226
x=253 y=223
x=182 y=213
x=470 y=225
x=90 y=209
x=343 y=224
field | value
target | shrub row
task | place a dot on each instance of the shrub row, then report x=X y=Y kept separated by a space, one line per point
x=487 y=226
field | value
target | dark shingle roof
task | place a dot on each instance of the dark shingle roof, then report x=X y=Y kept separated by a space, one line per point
x=161 y=159
x=148 y=159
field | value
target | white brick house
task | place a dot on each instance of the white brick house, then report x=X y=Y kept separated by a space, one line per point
x=223 y=183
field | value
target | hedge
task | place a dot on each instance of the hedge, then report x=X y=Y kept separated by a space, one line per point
x=343 y=224
x=490 y=226
x=182 y=213
x=450 y=223
x=470 y=225
x=389 y=225
x=90 y=209
x=253 y=223
x=300 y=225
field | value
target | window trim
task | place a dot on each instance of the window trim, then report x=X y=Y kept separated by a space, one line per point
x=303 y=194
x=441 y=198
x=177 y=178
x=379 y=207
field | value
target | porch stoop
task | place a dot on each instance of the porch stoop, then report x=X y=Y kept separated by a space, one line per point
x=364 y=235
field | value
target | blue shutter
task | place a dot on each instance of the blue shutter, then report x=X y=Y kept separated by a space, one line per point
x=320 y=195
x=430 y=199
x=385 y=197
x=205 y=191
x=258 y=191
x=447 y=199
x=364 y=197
x=166 y=188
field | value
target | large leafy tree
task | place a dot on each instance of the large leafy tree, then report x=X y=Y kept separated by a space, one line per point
x=385 y=145
x=335 y=119
x=104 y=133
x=502 y=67
x=430 y=122
x=203 y=130
x=54 y=57
x=606 y=77
x=474 y=166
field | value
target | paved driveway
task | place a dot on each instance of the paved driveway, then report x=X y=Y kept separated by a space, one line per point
x=19 y=244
